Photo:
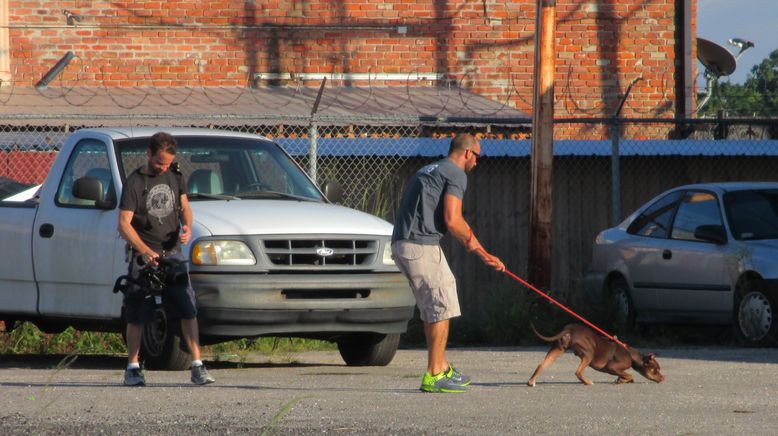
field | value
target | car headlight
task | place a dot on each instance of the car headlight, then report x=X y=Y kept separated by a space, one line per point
x=387 y=258
x=222 y=253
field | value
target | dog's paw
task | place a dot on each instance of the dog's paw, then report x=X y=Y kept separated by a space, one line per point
x=531 y=383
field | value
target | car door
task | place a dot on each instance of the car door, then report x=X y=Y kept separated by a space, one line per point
x=648 y=233
x=77 y=251
x=691 y=272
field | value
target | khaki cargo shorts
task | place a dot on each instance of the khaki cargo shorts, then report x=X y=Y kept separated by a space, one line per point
x=432 y=281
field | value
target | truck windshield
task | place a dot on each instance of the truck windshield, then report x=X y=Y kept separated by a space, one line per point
x=228 y=167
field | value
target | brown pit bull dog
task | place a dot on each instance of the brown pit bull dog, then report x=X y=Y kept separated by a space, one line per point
x=598 y=352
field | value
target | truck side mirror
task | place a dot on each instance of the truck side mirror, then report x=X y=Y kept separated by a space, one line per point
x=91 y=188
x=333 y=191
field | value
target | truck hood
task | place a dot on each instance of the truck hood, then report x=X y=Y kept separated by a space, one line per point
x=277 y=217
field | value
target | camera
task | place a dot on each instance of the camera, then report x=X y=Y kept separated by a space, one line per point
x=153 y=279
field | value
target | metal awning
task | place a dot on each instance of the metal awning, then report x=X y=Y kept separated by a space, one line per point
x=237 y=105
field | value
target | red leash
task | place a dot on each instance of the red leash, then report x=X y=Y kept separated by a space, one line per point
x=546 y=296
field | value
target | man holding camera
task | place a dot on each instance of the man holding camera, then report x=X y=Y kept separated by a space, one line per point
x=155 y=219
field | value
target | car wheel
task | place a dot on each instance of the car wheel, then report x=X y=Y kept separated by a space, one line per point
x=368 y=349
x=161 y=344
x=755 y=324
x=621 y=309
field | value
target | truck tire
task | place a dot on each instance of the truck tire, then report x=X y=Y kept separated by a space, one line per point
x=161 y=346
x=368 y=349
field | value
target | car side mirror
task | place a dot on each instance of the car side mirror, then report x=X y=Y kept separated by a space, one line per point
x=711 y=233
x=333 y=191
x=91 y=188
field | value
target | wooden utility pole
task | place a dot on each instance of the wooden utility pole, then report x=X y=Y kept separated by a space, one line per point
x=541 y=160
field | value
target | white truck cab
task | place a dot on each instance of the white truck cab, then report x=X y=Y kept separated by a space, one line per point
x=270 y=255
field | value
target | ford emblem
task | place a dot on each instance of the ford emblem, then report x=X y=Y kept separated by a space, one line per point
x=324 y=251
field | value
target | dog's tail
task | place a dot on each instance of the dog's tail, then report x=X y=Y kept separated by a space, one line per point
x=546 y=338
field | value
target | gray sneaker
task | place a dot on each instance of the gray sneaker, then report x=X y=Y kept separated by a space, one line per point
x=134 y=377
x=440 y=383
x=457 y=377
x=200 y=375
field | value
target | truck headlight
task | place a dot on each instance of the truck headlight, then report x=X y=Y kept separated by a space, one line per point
x=222 y=253
x=387 y=258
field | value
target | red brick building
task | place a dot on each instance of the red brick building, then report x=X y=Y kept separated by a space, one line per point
x=484 y=46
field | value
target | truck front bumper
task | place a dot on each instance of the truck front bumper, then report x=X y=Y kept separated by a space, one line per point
x=237 y=305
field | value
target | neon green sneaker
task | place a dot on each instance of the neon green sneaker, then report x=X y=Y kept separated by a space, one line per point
x=440 y=383
x=457 y=376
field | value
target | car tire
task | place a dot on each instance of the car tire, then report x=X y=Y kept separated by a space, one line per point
x=755 y=323
x=368 y=349
x=161 y=346
x=621 y=311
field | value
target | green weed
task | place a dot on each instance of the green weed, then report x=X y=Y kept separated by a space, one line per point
x=28 y=339
x=285 y=409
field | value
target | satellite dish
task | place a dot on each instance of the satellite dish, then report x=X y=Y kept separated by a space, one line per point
x=718 y=60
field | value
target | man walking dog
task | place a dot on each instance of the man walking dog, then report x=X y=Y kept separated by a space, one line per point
x=430 y=207
x=155 y=219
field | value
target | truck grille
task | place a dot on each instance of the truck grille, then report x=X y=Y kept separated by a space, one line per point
x=321 y=252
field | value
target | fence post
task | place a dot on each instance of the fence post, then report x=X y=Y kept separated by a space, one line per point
x=615 y=173
x=313 y=136
x=615 y=169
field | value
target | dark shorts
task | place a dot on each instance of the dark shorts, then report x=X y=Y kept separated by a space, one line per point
x=178 y=300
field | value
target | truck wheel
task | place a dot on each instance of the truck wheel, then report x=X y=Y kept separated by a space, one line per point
x=161 y=344
x=368 y=349
x=755 y=324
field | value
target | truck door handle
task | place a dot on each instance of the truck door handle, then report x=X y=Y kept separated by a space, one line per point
x=46 y=230
x=667 y=254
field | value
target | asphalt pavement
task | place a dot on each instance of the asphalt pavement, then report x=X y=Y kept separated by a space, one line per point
x=717 y=390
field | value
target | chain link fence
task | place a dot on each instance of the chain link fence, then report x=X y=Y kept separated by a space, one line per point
x=372 y=158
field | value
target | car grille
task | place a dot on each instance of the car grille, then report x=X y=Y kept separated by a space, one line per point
x=321 y=253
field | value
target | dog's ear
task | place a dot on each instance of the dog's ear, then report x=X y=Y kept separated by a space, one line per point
x=649 y=358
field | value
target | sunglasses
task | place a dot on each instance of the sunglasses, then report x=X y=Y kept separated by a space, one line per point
x=477 y=155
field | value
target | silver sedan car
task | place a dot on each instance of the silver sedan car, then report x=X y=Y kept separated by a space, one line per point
x=702 y=254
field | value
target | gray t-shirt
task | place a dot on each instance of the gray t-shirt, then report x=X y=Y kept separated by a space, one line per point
x=420 y=216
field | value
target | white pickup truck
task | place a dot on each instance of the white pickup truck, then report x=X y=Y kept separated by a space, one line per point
x=270 y=255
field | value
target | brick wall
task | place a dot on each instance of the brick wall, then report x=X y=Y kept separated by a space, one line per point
x=487 y=46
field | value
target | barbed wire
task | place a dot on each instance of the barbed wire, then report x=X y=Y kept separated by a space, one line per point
x=339 y=96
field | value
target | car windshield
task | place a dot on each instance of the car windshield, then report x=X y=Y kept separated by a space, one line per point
x=753 y=214
x=216 y=167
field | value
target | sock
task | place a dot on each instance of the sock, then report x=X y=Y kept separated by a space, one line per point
x=133 y=365
x=197 y=363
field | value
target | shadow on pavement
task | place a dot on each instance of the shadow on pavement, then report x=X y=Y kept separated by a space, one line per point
x=105 y=361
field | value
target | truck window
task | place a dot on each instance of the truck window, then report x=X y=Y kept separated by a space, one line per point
x=226 y=165
x=89 y=159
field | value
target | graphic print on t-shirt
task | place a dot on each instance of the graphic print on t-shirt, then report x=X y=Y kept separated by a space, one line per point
x=160 y=201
